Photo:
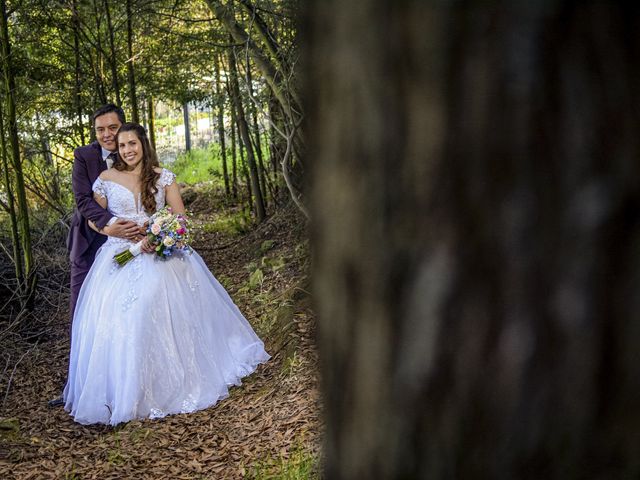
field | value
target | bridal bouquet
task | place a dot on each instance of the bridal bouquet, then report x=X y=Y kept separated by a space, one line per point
x=167 y=231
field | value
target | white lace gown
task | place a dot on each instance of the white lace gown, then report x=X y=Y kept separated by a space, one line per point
x=154 y=337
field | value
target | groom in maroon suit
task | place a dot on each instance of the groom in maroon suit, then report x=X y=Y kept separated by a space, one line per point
x=89 y=161
x=83 y=242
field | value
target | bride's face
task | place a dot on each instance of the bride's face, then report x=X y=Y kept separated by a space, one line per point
x=130 y=149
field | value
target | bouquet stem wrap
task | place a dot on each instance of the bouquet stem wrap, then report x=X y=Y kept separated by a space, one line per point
x=123 y=257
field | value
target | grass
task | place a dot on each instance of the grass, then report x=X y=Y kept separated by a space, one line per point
x=232 y=223
x=114 y=455
x=72 y=475
x=199 y=165
x=301 y=464
x=290 y=364
x=205 y=164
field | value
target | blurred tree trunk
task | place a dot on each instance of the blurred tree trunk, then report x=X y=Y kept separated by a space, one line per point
x=476 y=207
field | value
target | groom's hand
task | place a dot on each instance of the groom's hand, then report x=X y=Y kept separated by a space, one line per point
x=123 y=229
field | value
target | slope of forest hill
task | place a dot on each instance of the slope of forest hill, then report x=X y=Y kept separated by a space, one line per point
x=268 y=428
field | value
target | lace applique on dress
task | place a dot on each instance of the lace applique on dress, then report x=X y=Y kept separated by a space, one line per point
x=166 y=178
x=100 y=187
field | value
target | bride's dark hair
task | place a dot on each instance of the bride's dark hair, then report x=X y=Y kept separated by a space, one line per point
x=148 y=175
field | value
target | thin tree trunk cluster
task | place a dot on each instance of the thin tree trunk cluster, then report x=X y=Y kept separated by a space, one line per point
x=249 y=30
x=245 y=139
x=97 y=61
x=25 y=268
x=475 y=208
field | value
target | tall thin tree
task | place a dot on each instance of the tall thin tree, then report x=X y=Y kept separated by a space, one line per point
x=99 y=54
x=220 y=116
x=151 y=113
x=18 y=264
x=133 y=99
x=243 y=130
x=187 y=126
x=77 y=101
x=113 y=61
x=22 y=209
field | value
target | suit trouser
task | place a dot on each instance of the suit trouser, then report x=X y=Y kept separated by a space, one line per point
x=79 y=268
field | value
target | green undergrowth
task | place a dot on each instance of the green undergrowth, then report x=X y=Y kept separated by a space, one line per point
x=204 y=164
x=232 y=223
x=279 y=305
x=299 y=464
x=199 y=165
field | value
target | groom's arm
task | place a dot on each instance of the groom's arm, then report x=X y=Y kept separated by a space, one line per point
x=83 y=193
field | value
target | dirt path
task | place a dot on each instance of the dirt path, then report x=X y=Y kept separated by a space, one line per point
x=268 y=428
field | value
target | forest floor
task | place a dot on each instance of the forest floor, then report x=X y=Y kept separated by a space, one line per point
x=268 y=428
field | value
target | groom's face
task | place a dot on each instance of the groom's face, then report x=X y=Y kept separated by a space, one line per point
x=107 y=126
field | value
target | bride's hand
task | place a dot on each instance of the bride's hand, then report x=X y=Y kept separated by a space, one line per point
x=147 y=246
x=141 y=234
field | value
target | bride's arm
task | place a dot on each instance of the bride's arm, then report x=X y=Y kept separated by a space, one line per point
x=174 y=199
x=103 y=203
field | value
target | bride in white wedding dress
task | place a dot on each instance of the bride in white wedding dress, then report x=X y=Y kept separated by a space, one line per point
x=153 y=337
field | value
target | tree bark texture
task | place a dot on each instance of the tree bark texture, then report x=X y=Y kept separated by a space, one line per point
x=476 y=221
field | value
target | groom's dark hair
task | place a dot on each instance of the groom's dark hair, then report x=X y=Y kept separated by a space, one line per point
x=108 y=108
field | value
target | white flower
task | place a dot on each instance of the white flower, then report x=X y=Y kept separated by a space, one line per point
x=168 y=241
x=155 y=228
x=161 y=219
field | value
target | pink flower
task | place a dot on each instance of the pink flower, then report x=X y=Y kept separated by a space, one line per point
x=155 y=229
x=181 y=231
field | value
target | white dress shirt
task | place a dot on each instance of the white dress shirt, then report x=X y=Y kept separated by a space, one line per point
x=105 y=156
